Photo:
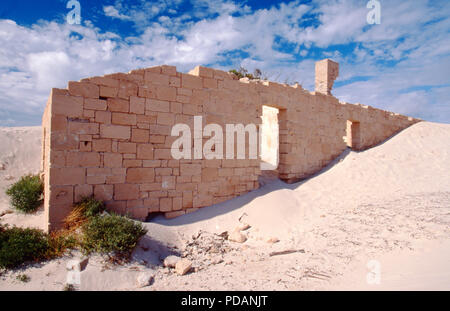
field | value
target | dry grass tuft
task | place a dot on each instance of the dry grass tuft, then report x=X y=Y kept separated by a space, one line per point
x=75 y=219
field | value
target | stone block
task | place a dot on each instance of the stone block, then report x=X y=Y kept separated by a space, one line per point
x=67 y=176
x=106 y=91
x=140 y=175
x=140 y=136
x=101 y=145
x=166 y=93
x=94 y=104
x=165 y=118
x=103 y=117
x=190 y=169
x=112 y=160
x=126 y=192
x=157 y=105
x=131 y=163
x=83 y=128
x=115 y=131
x=84 y=89
x=162 y=154
x=124 y=147
x=82 y=191
x=137 y=105
x=95 y=180
x=209 y=174
x=156 y=78
x=191 y=82
x=123 y=118
x=118 y=105
x=82 y=159
x=69 y=106
x=165 y=204
x=61 y=195
x=145 y=151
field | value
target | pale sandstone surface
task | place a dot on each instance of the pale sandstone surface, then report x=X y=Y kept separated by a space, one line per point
x=390 y=203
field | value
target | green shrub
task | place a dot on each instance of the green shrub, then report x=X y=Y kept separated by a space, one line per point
x=243 y=73
x=111 y=235
x=236 y=73
x=59 y=243
x=90 y=206
x=19 y=245
x=26 y=193
x=81 y=212
x=23 y=278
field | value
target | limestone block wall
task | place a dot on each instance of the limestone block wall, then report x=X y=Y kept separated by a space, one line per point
x=326 y=72
x=110 y=137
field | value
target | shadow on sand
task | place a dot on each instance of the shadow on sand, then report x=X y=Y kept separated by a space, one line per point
x=152 y=252
x=215 y=210
x=236 y=203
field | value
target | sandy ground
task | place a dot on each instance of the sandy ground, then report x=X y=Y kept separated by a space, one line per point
x=372 y=220
x=20 y=154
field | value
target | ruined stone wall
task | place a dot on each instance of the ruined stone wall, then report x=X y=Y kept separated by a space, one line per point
x=110 y=137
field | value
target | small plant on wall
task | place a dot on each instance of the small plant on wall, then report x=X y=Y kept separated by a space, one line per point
x=243 y=73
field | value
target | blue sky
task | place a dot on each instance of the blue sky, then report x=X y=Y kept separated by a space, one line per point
x=401 y=65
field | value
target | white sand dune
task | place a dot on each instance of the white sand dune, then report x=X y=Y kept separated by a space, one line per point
x=20 y=154
x=390 y=204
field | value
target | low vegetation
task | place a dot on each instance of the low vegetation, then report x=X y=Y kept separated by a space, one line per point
x=26 y=194
x=23 y=278
x=243 y=73
x=86 y=228
x=111 y=235
x=108 y=234
x=18 y=245
x=86 y=208
x=90 y=207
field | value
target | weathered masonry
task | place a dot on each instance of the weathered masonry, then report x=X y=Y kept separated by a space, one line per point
x=110 y=137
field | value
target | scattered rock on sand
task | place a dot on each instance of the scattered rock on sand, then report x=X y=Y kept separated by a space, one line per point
x=183 y=266
x=242 y=227
x=8 y=211
x=2 y=166
x=171 y=261
x=144 y=279
x=273 y=240
x=217 y=260
x=78 y=264
x=9 y=177
x=237 y=236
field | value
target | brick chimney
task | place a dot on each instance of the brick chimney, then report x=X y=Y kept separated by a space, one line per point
x=326 y=72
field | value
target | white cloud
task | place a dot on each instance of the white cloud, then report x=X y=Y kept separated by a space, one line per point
x=339 y=20
x=413 y=34
x=111 y=11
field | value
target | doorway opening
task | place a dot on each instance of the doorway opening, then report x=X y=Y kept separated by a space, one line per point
x=353 y=137
x=269 y=139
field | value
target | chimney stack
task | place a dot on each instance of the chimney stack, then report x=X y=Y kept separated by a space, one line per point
x=326 y=72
